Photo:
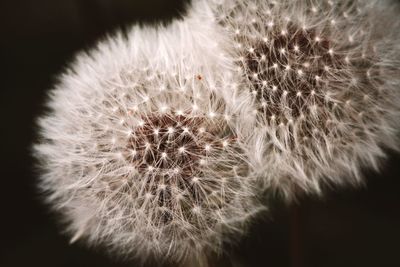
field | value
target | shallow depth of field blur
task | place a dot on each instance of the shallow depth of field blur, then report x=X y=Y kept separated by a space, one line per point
x=354 y=227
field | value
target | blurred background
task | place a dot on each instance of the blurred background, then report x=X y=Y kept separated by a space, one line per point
x=356 y=227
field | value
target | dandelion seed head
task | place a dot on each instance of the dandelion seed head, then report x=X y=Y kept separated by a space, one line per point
x=163 y=177
x=319 y=65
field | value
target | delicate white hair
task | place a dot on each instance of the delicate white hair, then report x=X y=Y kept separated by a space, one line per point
x=153 y=140
x=325 y=82
x=138 y=151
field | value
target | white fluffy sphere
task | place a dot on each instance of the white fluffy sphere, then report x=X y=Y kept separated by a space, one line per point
x=137 y=150
x=325 y=81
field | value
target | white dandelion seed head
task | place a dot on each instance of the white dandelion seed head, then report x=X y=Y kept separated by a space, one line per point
x=144 y=171
x=324 y=77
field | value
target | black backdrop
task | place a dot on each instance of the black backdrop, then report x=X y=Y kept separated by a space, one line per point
x=38 y=37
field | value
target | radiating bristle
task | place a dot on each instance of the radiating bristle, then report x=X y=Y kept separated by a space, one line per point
x=322 y=75
x=159 y=143
x=139 y=153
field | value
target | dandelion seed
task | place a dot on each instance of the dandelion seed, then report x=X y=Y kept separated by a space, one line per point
x=356 y=59
x=125 y=181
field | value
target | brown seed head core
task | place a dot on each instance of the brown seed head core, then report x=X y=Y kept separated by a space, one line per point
x=172 y=151
x=290 y=64
x=313 y=77
x=169 y=144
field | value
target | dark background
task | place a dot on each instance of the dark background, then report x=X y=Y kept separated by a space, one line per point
x=37 y=38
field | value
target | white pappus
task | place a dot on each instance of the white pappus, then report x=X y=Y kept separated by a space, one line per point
x=138 y=151
x=324 y=77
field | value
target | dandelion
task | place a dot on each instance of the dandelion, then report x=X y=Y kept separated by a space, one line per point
x=324 y=78
x=144 y=171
